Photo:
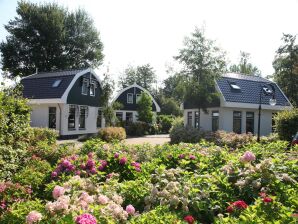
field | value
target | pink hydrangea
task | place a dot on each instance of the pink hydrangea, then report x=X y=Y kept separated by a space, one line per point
x=192 y=157
x=130 y=210
x=33 y=217
x=116 y=155
x=86 y=219
x=122 y=161
x=247 y=157
x=102 y=199
x=58 y=191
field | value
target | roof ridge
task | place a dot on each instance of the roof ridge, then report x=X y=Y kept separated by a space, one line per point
x=66 y=70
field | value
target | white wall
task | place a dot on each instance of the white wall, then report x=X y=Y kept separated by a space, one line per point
x=226 y=119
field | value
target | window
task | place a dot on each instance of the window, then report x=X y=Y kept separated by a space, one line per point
x=267 y=91
x=197 y=119
x=99 y=118
x=52 y=117
x=72 y=117
x=82 y=118
x=215 y=120
x=138 y=96
x=85 y=87
x=129 y=117
x=189 y=118
x=119 y=116
x=129 y=98
x=250 y=120
x=56 y=83
x=237 y=122
x=92 y=89
x=234 y=86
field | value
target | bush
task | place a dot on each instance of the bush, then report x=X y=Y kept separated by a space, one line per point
x=92 y=145
x=112 y=133
x=286 y=124
x=43 y=134
x=186 y=134
x=35 y=173
x=165 y=122
x=138 y=128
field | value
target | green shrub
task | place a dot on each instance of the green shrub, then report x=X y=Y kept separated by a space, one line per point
x=92 y=145
x=165 y=122
x=286 y=124
x=36 y=173
x=110 y=134
x=43 y=134
x=138 y=128
x=186 y=134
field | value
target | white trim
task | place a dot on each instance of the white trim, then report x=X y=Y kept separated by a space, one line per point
x=45 y=101
x=140 y=87
x=254 y=106
x=92 y=84
x=284 y=95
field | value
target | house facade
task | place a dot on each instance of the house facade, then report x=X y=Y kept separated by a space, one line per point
x=237 y=107
x=68 y=101
x=128 y=98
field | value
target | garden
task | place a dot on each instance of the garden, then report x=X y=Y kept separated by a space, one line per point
x=221 y=178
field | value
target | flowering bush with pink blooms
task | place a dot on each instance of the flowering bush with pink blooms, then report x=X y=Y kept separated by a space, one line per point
x=184 y=183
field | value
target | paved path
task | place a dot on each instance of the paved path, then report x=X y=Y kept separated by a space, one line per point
x=151 y=139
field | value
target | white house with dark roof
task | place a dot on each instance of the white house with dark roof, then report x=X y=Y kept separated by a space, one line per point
x=68 y=101
x=128 y=98
x=237 y=107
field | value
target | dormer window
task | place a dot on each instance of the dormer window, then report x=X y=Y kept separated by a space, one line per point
x=85 y=87
x=56 y=83
x=129 y=98
x=234 y=86
x=267 y=91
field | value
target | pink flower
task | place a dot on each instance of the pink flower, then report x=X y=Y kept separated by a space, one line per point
x=189 y=219
x=66 y=163
x=267 y=199
x=239 y=205
x=78 y=172
x=101 y=168
x=192 y=157
x=116 y=155
x=181 y=156
x=138 y=169
x=130 y=210
x=54 y=174
x=90 y=163
x=247 y=157
x=86 y=219
x=93 y=170
x=58 y=191
x=230 y=209
x=33 y=217
x=102 y=199
x=122 y=161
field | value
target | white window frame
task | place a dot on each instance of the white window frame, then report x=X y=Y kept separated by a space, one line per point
x=92 y=86
x=128 y=95
x=138 y=96
x=85 y=82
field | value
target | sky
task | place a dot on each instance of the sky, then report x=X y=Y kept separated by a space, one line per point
x=137 y=32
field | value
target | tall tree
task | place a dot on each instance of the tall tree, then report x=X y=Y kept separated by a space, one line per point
x=144 y=109
x=244 y=66
x=286 y=67
x=48 y=37
x=203 y=62
x=174 y=87
x=143 y=75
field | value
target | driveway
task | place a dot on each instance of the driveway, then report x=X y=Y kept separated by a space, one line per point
x=151 y=139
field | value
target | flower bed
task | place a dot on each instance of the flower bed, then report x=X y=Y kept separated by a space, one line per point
x=185 y=183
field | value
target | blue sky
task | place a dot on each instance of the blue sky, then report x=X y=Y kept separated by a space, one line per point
x=152 y=31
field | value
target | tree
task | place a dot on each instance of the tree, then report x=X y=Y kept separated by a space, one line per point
x=286 y=67
x=203 y=62
x=48 y=37
x=174 y=87
x=244 y=66
x=143 y=75
x=145 y=113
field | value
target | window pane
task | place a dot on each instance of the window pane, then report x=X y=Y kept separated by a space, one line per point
x=119 y=116
x=129 y=118
x=129 y=98
x=250 y=122
x=99 y=118
x=72 y=117
x=82 y=119
x=197 y=117
x=52 y=117
x=215 y=120
x=85 y=87
x=189 y=118
x=237 y=122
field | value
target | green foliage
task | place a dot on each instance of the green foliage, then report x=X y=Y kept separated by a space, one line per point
x=112 y=133
x=48 y=37
x=35 y=173
x=138 y=128
x=92 y=145
x=145 y=113
x=286 y=67
x=174 y=87
x=165 y=122
x=168 y=106
x=244 y=66
x=185 y=134
x=286 y=124
x=143 y=75
x=19 y=211
x=49 y=136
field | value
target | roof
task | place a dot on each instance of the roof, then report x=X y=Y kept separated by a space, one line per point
x=250 y=87
x=39 y=85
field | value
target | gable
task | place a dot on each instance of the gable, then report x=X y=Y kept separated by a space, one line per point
x=134 y=90
x=75 y=95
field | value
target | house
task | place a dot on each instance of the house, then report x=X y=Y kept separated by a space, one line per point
x=128 y=98
x=237 y=107
x=68 y=101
